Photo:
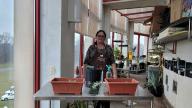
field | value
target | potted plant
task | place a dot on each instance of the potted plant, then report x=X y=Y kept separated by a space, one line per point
x=94 y=88
x=77 y=104
x=155 y=83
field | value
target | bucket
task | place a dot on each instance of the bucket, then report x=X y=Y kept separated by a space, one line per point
x=91 y=75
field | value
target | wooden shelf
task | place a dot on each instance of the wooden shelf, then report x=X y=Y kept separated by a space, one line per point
x=176 y=36
x=183 y=22
x=173 y=37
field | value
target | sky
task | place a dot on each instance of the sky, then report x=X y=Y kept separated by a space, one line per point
x=6 y=16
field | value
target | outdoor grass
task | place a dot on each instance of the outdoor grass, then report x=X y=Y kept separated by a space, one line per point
x=6 y=65
x=5 y=83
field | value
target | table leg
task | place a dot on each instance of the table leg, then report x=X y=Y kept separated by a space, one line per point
x=129 y=74
x=50 y=104
x=152 y=103
x=129 y=103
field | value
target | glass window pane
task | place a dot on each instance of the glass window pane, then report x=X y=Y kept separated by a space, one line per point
x=135 y=42
x=141 y=45
x=109 y=40
x=87 y=42
x=7 y=91
x=117 y=37
x=124 y=49
x=77 y=49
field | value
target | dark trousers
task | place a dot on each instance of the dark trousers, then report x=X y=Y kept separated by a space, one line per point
x=103 y=104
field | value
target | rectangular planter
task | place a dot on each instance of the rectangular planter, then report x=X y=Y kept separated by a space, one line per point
x=67 y=85
x=121 y=85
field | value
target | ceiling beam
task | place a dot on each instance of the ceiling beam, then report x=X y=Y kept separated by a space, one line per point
x=121 y=13
x=136 y=13
x=139 y=17
x=109 y=0
x=138 y=33
x=134 y=4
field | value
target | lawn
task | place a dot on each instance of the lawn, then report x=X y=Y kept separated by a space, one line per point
x=6 y=80
x=6 y=65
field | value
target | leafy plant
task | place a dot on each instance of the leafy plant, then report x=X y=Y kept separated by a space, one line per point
x=116 y=53
x=94 y=88
x=77 y=104
x=155 y=83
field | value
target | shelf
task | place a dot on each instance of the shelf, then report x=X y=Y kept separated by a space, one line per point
x=183 y=22
x=173 y=37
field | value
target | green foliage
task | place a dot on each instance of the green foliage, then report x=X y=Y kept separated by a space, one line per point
x=77 y=104
x=5 y=83
x=116 y=52
x=152 y=81
x=94 y=88
x=155 y=81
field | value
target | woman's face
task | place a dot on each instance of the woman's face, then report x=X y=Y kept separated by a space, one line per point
x=100 y=37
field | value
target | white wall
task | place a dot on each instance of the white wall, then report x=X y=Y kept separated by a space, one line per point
x=50 y=39
x=184 y=96
x=24 y=53
x=50 y=43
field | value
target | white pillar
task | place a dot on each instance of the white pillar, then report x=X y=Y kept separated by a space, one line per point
x=106 y=20
x=67 y=42
x=130 y=35
x=24 y=53
x=127 y=34
x=67 y=45
x=50 y=23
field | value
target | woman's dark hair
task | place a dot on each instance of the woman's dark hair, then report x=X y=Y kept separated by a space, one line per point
x=101 y=31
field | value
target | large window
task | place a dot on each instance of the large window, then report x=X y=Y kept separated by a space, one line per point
x=124 y=47
x=135 y=47
x=87 y=42
x=7 y=91
x=77 y=50
x=117 y=37
x=142 y=45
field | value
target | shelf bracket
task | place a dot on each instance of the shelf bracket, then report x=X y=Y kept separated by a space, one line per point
x=189 y=31
x=174 y=47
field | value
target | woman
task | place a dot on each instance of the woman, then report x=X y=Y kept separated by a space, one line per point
x=99 y=55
